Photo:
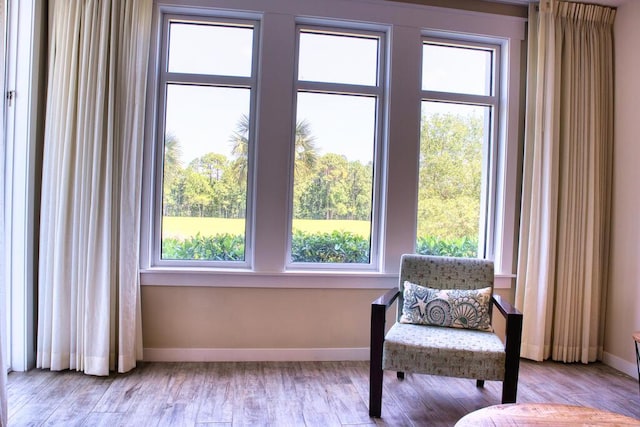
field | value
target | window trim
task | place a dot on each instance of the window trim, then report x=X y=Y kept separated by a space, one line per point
x=165 y=79
x=379 y=165
x=494 y=138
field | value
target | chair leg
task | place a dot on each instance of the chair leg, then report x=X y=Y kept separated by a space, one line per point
x=637 y=356
x=512 y=359
x=375 y=392
x=400 y=375
x=479 y=383
x=510 y=383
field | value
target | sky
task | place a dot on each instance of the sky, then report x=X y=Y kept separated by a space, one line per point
x=204 y=118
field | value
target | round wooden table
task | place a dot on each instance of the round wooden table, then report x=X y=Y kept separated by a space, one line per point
x=544 y=414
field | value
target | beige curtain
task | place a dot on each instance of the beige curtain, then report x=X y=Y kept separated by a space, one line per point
x=89 y=294
x=562 y=266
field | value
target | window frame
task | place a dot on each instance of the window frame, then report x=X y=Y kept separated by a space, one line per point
x=379 y=93
x=406 y=24
x=486 y=235
x=167 y=78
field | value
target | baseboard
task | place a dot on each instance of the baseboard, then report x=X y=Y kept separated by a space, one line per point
x=254 y=354
x=620 y=364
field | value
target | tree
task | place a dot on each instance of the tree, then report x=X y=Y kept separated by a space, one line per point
x=198 y=193
x=211 y=165
x=324 y=196
x=172 y=174
x=450 y=176
x=358 y=187
x=304 y=147
x=240 y=147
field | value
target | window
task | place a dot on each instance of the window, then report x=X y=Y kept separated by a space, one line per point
x=295 y=144
x=339 y=100
x=457 y=142
x=207 y=87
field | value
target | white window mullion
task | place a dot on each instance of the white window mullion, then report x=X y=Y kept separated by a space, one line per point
x=274 y=135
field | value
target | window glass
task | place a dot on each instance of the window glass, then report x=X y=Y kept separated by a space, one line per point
x=338 y=58
x=452 y=141
x=456 y=69
x=210 y=49
x=205 y=172
x=333 y=178
x=335 y=150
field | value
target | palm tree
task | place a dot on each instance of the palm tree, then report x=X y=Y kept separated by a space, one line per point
x=305 y=149
x=240 y=147
x=172 y=169
x=306 y=153
x=172 y=152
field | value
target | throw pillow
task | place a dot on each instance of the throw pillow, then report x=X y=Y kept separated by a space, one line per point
x=457 y=308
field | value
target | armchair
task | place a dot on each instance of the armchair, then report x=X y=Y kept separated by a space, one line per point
x=443 y=326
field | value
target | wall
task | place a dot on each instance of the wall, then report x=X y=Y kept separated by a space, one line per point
x=623 y=302
x=248 y=324
x=205 y=323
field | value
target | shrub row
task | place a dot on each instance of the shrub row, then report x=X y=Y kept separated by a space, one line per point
x=463 y=247
x=328 y=247
x=221 y=247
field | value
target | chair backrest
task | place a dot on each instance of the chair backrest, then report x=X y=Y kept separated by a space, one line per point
x=444 y=273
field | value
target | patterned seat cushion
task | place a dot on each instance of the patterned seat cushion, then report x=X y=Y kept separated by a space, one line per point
x=436 y=350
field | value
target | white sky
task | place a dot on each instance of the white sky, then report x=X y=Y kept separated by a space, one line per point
x=204 y=118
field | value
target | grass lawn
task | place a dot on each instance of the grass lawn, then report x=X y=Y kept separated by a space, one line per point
x=181 y=227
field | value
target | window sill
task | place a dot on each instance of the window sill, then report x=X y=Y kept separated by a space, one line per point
x=288 y=279
x=252 y=279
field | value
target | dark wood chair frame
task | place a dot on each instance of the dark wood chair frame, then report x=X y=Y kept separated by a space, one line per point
x=513 y=335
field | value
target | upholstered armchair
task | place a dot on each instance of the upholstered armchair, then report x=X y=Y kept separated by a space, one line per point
x=444 y=326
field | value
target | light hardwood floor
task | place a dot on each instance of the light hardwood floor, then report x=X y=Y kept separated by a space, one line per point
x=293 y=394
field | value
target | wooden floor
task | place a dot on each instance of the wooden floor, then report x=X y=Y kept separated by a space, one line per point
x=293 y=394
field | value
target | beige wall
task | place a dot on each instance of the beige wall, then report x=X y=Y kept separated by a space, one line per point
x=196 y=318
x=206 y=317
x=623 y=303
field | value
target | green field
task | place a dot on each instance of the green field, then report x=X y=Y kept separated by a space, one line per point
x=181 y=227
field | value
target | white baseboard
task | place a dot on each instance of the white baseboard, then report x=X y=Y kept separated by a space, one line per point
x=620 y=364
x=254 y=354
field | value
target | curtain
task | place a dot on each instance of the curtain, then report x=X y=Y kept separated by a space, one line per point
x=89 y=293
x=567 y=178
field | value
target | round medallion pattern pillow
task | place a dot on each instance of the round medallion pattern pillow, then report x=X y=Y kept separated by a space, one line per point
x=457 y=308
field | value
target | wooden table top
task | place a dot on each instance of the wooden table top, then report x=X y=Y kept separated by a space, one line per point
x=544 y=414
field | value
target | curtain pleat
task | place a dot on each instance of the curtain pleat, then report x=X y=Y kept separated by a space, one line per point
x=89 y=305
x=562 y=266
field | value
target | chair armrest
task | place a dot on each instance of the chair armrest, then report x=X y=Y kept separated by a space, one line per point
x=513 y=316
x=387 y=299
x=379 y=309
x=505 y=308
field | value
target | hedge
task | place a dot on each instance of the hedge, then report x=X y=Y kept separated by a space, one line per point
x=319 y=247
